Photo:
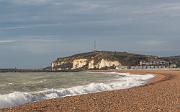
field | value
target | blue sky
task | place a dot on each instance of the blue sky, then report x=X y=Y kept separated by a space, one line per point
x=35 y=32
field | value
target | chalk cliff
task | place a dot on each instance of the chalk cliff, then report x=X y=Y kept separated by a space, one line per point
x=96 y=60
x=85 y=64
x=105 y=60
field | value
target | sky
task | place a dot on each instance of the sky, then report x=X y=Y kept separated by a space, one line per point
x=35 y=32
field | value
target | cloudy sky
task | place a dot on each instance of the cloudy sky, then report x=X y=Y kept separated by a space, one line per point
x=35 y=32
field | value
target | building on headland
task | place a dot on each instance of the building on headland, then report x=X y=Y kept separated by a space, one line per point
x=154 y=64
x=173 y=66
x=99 y=60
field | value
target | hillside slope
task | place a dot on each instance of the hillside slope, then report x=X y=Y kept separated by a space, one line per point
x=173 y=59
x=99 y=60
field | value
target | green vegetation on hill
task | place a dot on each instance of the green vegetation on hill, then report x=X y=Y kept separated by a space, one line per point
x=125 y=58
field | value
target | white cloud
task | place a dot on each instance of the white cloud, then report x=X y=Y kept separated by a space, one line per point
x=37 y=46
x=31 y=39
x=7 y=41
x=159 y=9
x=152 y=42
x=30 y=26
x=41 y=45
x=30 y=2
x=87 y=6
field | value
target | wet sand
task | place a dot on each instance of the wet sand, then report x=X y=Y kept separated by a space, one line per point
x=161 y=94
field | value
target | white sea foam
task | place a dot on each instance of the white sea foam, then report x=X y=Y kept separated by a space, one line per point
x=128 y=81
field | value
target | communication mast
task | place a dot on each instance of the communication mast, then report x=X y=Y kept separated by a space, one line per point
x=95 y=46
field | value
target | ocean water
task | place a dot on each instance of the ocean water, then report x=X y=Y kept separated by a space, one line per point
x=20 y=88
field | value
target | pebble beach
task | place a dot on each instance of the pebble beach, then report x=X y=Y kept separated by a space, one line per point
x=161 y=94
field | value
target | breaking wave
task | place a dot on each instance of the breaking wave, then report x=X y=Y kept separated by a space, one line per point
x=127 y=81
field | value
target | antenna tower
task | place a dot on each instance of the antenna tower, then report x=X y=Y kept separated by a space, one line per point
x=94 y=45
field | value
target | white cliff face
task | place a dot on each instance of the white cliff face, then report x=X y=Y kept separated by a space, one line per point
x=105 y=63
x=53 y=65
x=79 y=63
x=90 y=64
x=57 y=63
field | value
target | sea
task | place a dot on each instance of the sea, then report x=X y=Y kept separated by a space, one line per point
x=21 y=88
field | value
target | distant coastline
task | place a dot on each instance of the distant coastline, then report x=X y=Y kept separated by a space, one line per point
x=43 y=70
x=33 y=70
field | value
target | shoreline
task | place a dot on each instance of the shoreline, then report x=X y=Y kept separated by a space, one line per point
x=61 y=103
x=116 y=83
